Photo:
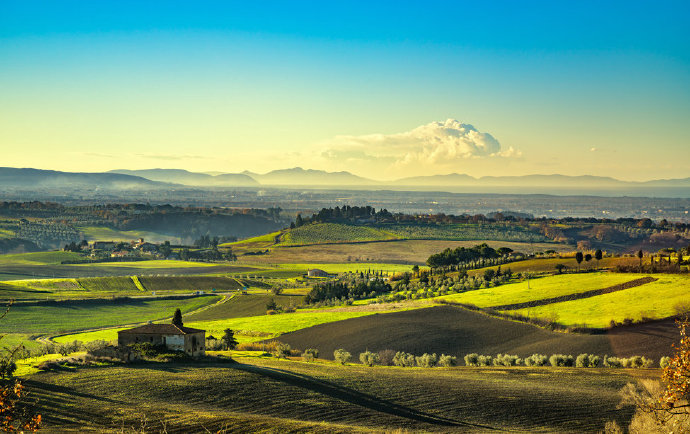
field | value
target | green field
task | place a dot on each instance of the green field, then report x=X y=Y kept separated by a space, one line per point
x=63 y=317
x=540 y=288
x=653 y=300
x=39 y=258
x=268 y=395
x=149 y=265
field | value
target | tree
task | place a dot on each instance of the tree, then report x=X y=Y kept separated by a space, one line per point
x=598 y=255
x=579 y=257
x=15 y=414
x=560 y=268
x=640 y=255
x=588 y=257
x=229 y=341
x=177 y=318
x=271 y=305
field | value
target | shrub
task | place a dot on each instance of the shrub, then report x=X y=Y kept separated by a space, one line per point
x=404 y=359
x=341 y=356
x=281 y=350
x=427 y=360
x=507 y=360
x=214 y=345
x=368 y=358
x=561 y=360
x=268 y=346
x=613 y=362
x=536 y=360
x=386 y=357
x=310 y=354
x=637 y=362
x=594 y=361
x=447 y=361
x=271 y=312
x=472 y=359
x=484 y=360
x=582 y=361
x=95 y=345
x=664 y=361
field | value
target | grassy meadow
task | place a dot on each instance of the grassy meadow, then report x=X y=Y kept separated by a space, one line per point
x=667 y=296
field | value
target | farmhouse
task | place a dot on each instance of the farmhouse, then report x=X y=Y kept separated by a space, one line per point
x=171 y=336
x=315 y=272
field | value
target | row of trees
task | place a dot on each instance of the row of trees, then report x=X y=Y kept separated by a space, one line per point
x=465 y=256
x=341 y=289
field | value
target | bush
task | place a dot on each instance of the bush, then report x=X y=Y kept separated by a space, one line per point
x=582 y=361
x=214 y=345
x=404 y=359
x=386 y=357
x=561 y=360
x=368 y=358
x=447 y=361
x=426 y=360
x=484 y=360
x=341 y=356
x=310 y=354
x=536 y=360
x=594 y=361
x=281 y=350
x=96 y=345
x=664 y=361
x=613 y=362
x=637 y=362
x=507 y=360
x=472 y=359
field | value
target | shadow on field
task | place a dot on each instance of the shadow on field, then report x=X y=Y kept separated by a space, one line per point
x=353 y=396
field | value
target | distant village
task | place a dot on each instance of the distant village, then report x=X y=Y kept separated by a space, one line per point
x=202 y=250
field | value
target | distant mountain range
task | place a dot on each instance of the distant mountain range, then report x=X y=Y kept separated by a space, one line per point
x=166 y=178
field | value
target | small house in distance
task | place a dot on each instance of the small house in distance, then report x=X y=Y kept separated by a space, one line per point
x=315 y=272
x=172 y=336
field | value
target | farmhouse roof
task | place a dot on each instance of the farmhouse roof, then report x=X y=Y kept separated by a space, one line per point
x=164 y=329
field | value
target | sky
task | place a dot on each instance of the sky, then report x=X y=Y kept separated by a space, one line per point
x=382 y=89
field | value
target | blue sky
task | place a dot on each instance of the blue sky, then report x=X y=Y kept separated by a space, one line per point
x=575 y=88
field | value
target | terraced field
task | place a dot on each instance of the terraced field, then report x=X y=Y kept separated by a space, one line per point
x=278 y=396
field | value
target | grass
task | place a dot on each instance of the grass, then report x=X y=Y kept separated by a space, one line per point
x=39 y=258
x=544 y=287
x=655 y=300
x=268 y=395
x=262 y=241
x=64 y=317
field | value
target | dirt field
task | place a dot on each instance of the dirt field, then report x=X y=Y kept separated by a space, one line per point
x=270 y=395
x=456 y=331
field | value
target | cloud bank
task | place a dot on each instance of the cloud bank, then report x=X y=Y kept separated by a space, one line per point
x=437 y=144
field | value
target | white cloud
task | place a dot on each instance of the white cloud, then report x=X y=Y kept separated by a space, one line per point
x=434 y=144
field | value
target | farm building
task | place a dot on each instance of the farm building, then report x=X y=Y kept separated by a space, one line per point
x=315 y=272
x=173 y=337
